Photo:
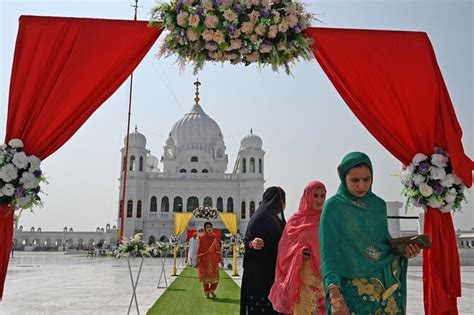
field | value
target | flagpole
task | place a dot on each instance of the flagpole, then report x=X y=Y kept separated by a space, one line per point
x=126 y=163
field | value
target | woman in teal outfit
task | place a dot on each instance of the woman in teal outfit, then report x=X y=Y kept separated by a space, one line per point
x=361 y=273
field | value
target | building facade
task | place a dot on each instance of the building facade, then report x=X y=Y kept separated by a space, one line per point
x=191 y=173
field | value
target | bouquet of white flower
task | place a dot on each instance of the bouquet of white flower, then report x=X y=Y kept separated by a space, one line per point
x=205 y=213
x=133 y=246
x=20 y=176
x=432 y=182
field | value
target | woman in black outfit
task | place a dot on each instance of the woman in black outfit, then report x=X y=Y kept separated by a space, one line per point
x=261 y=249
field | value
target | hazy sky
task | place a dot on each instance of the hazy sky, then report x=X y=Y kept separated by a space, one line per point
x=305 y=126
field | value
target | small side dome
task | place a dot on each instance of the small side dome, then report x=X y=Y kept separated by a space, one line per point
x=136 y=139
x=251 y=141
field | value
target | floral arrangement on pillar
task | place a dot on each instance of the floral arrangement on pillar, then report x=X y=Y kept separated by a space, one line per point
x=430 y=182
x=266 y=32
x=133 y=247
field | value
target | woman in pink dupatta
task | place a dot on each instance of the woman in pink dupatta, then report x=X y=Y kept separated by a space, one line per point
x=298 y=286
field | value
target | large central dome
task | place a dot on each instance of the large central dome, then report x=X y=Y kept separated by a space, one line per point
x=196 y=130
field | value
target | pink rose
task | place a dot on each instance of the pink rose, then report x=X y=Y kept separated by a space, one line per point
x=254 y=38
x=247 y=27
x=230 y=15
x=194 y=20
x=182 y=19
x=212 y=21
x=219 y=37
x=188 y=3
x=191 y=34
x=235 y=43
x=283 y=27
x=231 y=56
x=207 y=4
x=211 y=46
x=254 y=16
x=292 y=20
x=260 y=29
x=208 y=35
x=253 y=57
x=236 y=34
x=273 y=31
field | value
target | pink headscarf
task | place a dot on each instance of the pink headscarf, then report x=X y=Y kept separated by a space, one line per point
x=301 y=231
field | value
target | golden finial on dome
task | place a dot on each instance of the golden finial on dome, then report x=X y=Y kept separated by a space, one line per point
x=197 y=84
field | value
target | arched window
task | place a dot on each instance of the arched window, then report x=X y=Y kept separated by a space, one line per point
x=165 y=204
x=260 y=166
x=230 y=204
x=244 y=165
x=220 y=153
x=207 y=202
x=192 y=203
x=183 y=170
x=252 y=208
x=242 y=210
x=194 y=159
x=252 y=165
x=132 y=163
x=129 y=209
x=178 y=204
x=123 y=163
x=220 y=204
x=139 y=209
x=153 y=204
x=140 y=165
x=194 y=170
x=205 y=170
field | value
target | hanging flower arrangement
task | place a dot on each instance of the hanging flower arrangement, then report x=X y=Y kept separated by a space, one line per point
x=430 y=181
x=266 y=32
x=205 y=213
x=20 y=177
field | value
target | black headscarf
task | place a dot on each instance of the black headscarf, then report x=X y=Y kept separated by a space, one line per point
x=265 y=223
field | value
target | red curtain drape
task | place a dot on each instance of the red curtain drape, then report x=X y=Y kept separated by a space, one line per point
x=392 y=83
x=63 y=70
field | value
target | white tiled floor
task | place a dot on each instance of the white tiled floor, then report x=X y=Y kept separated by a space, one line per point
x=55 y=283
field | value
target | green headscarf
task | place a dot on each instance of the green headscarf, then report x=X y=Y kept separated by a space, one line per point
x=354 y=230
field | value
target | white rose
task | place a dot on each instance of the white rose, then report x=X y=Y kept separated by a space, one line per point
x=8 y=172
x=418 y=179
x=438 y=173
x=35 y=163
x=418 y=158
x=426 y=190
x=433 y=202
x=15 y=143
x=29 y=180
x=447 y=208
x=457 y=180
x=410 y=168
x=8 y=190
x=450 y=195
x=448 y=181
x=439 y=160
x=20 y=160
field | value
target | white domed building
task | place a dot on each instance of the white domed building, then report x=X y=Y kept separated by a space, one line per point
x=193 y=174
